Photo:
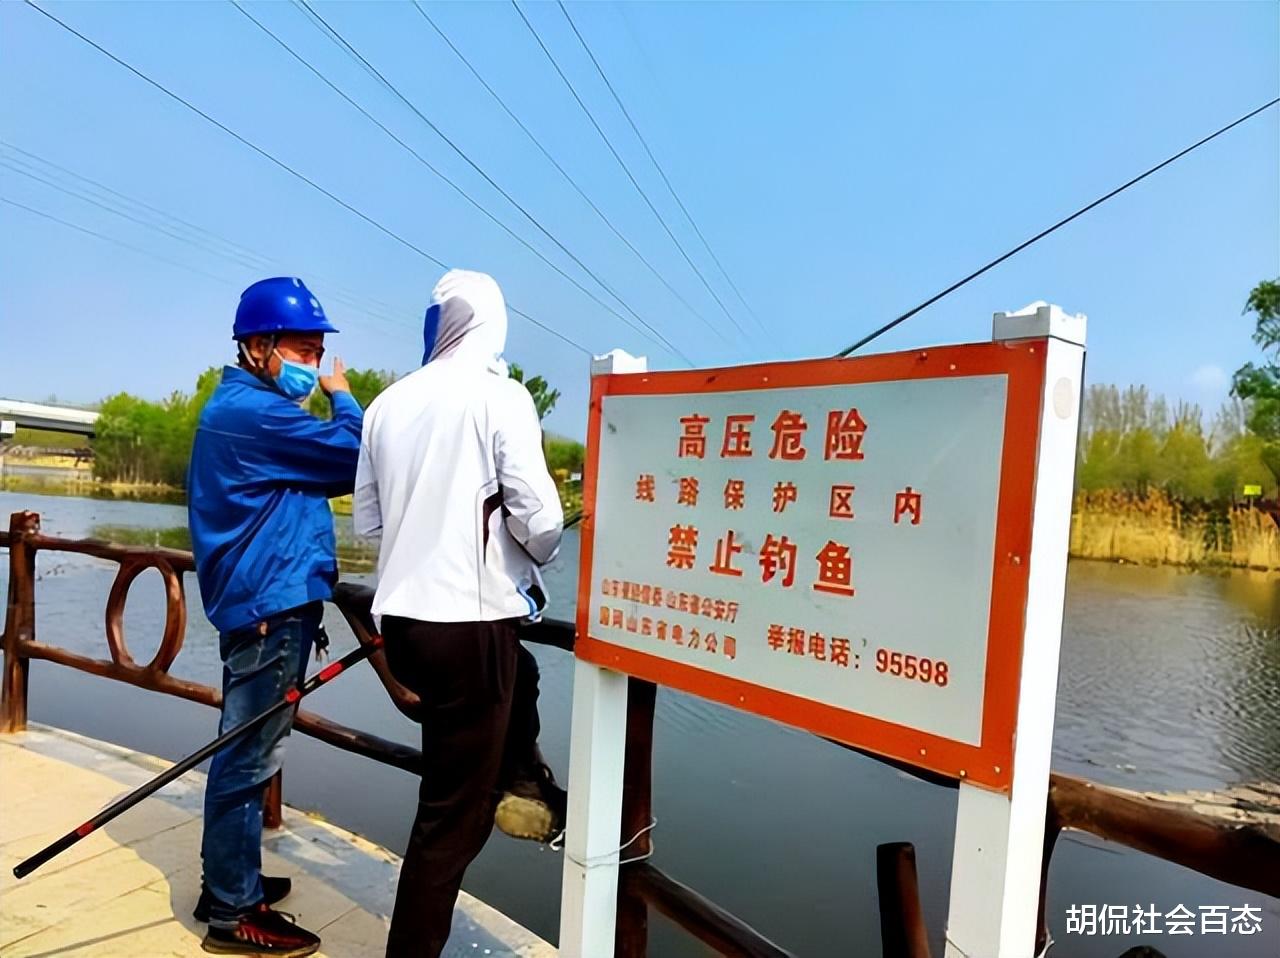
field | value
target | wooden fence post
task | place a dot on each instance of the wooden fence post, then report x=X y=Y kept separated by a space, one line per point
x=272 y=813
x=1052 y=828
x=19 y=620
x=902 y=930
x=637 y=813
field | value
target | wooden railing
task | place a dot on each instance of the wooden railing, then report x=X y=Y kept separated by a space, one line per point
x=1243 y=853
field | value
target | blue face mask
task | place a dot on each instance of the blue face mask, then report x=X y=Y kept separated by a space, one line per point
x=296 y=380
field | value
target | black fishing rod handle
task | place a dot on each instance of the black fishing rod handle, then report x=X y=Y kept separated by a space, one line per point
x=25 y=868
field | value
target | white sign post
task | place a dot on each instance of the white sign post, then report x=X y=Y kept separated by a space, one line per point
x=999 y=844
x=597 y=749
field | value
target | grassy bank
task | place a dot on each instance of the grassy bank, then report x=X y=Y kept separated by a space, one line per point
x=1155 y=530
x=83 y=484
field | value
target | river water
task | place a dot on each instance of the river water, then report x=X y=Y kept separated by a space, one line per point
x=1169 y=680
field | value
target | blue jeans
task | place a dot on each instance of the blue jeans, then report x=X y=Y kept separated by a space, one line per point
x=257 y=670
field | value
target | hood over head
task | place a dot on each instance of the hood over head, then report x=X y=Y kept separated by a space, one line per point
x=466 y=321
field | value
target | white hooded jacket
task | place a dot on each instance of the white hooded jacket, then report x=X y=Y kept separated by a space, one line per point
x=452 y=475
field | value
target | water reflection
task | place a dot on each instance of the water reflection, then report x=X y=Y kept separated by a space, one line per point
x=1169 y=679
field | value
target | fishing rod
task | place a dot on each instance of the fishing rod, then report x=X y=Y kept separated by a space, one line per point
x=329 y=672
x=290 y=699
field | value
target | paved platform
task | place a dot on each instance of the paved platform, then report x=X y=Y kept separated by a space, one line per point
x=128 y=889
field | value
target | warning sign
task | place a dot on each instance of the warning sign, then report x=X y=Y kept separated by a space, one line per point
x=839 y=544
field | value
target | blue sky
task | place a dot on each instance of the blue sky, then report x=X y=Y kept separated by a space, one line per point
x=845 y=161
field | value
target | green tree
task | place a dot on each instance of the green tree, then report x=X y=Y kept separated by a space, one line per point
x=1099 y=443
x=565 y=455
x=1099 y=461
x=116 y=437
x=148 y=442
x=1185 y=468
x=1139 y=461
x=137 y=440
x=544 y=397
x=1132 y=441
x=365 y=384
x=1259 y=385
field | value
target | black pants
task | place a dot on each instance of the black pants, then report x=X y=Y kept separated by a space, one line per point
x=479 y=691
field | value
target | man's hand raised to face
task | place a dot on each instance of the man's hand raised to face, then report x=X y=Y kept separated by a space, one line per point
x=336 y=381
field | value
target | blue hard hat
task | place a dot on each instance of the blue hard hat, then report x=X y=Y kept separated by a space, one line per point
x=279 y=305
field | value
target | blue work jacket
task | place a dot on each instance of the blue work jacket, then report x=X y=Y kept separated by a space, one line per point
x=262 y=472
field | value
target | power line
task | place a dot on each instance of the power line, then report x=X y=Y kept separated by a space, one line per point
x=222 y=279
x=358 y=299
x=121 y=243
x=512 y=200
x=563 y=172
x=545 y=328
x=658 y=166
x=1043 y=233
x=656 y=338
x=10 y=165
x=626 y=169
x=114 y=241
x=234 y=135
x=26 y=157
x=247 y=259
x=280 y=163
x=323 y=27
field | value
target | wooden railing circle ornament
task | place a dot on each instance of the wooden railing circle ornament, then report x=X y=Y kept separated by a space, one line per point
x=175 y=615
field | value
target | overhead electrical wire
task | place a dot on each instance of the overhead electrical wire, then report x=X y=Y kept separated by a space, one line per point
x=410 y=245
x=282 y=165
x=1043 y=233
x=251 y=260
x=360 y=299
x=650 y=334
x=114 y=241
x=353 y=52
x=658 y=166
x=8 y=164
x=37 y=162
x=627 y=170
x=563 y=172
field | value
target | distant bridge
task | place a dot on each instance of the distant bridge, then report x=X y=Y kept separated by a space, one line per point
x=30 y=415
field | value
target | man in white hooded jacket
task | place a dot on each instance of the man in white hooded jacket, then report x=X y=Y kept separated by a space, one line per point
x=453 y=480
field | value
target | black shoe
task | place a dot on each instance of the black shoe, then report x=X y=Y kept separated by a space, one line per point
x=533 y=806
x=262 y=932
x=273 y=890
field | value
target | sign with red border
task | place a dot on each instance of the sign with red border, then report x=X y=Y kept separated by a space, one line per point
x=839 y=545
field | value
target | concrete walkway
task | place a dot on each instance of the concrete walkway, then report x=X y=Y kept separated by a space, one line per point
x=128 y=890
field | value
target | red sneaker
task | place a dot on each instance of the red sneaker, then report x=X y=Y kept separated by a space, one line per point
x=262 y=932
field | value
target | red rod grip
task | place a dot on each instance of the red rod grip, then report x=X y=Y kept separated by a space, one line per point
x=329 y=671
x=292 y=696
x=84 y=829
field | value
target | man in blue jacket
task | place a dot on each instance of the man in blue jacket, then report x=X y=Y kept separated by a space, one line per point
x=262 y=472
